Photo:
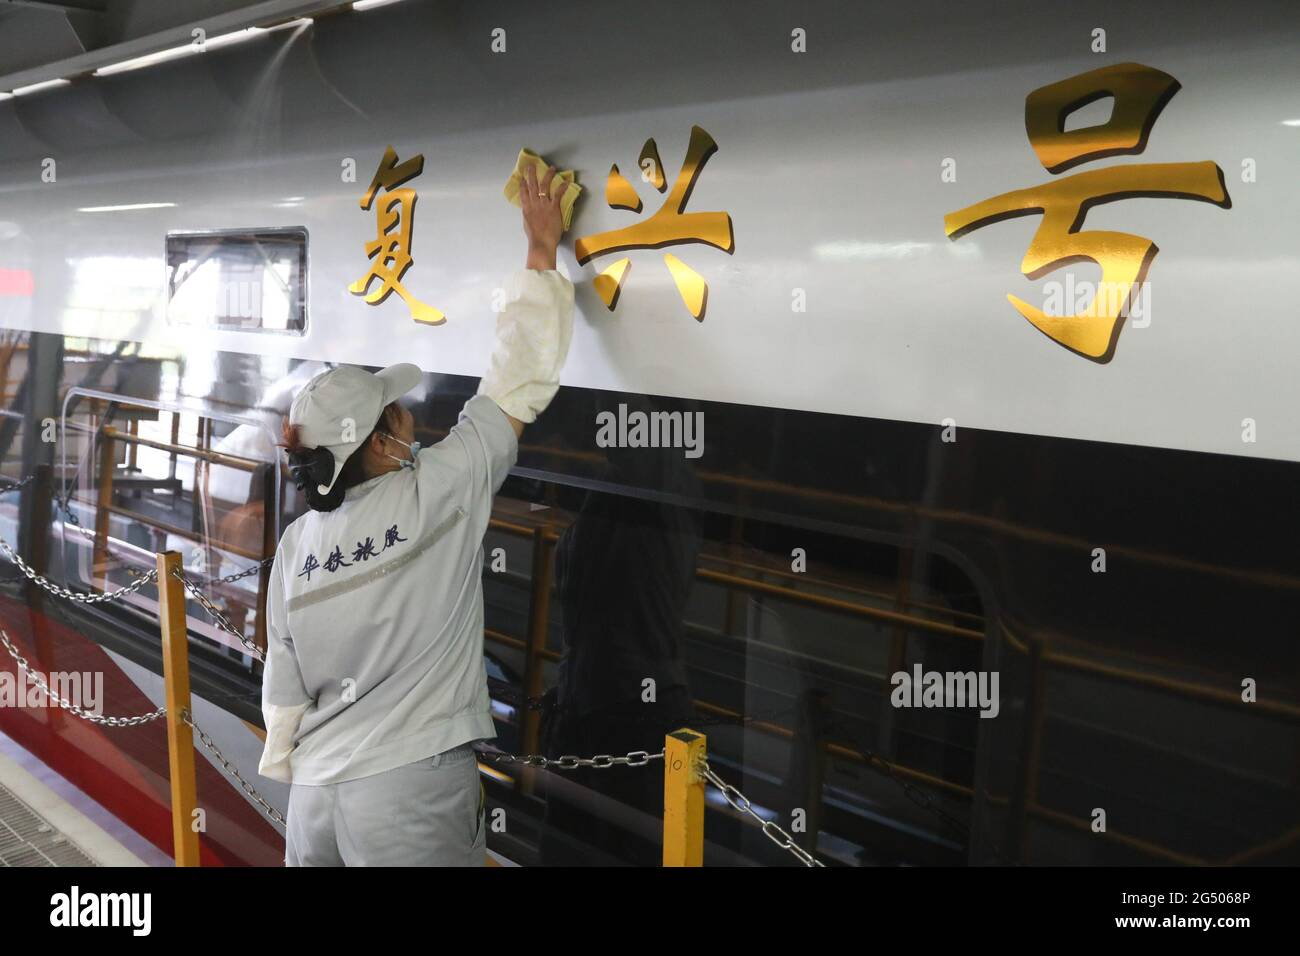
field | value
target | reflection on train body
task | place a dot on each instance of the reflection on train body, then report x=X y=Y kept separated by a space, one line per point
x=632 y=591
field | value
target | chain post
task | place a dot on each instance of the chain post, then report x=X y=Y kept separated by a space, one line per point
x=684 y=752
x=176 y=678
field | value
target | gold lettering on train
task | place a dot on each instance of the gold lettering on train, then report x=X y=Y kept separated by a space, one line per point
x=1140 y=93
x=390 y=251
x=670 y=226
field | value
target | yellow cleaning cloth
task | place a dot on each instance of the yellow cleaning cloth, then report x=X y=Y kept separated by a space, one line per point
x=539 y=165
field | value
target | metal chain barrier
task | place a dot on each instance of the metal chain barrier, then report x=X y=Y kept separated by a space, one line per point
x=65 y=505
x=637 y=758
x=141 y=577
x=217 y=616
x=772 y=830
x=58 y=590
x=39 y=680
x=15 y=484
x=246 y=573
x=230 y=771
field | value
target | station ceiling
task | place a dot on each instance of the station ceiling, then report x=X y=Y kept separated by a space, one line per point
x=40 y=39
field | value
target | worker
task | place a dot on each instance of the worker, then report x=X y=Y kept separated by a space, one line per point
x=375 y=689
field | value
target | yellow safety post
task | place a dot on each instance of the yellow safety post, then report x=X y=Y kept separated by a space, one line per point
x=176 y=679
x=684 y=798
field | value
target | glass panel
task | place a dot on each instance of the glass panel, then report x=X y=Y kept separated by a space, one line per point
x=775 y=641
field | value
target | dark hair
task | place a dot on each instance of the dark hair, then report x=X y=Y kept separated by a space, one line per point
x=315 y=466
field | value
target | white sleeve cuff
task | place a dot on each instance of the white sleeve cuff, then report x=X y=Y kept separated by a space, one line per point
x=281 y=725
x=533 y=334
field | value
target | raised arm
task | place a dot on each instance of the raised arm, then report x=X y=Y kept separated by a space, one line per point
x=534 y=328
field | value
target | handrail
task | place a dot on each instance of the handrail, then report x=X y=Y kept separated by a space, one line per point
x=1172 y=685
x=816 y=600
x=839 y=585
x=215 y=457
x=834 y=604
x=177 y=530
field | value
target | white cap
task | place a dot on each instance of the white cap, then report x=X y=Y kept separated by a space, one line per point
x=347 y=401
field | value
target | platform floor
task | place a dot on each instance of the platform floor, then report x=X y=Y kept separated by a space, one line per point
x=46 y=821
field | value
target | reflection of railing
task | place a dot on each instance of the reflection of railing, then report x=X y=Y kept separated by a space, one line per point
x=796 y=596
x=109 y=437
x=1023 y=804
x=1170 y=685
x=537 y=654
x=768 y=571
x=214 y=457
x=161 y=525
x=989 y=523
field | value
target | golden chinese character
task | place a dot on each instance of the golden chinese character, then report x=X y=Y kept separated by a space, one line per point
x=1140 y=93
x=670 y=226
x=390 y=251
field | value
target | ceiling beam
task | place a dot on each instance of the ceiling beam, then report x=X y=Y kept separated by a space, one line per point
x=263 y=13
x=58 y=6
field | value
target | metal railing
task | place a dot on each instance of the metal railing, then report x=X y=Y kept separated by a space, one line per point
x=109 y=438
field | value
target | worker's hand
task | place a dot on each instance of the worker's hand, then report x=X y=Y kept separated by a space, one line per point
x=543 y=221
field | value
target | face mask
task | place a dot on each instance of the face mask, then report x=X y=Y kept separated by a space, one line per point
x=415 y=450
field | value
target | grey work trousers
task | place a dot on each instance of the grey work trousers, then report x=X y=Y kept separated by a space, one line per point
x=426 y=813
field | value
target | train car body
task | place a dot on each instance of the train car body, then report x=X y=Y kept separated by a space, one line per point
x=854 y=261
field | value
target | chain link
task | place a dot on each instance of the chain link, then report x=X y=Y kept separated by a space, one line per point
x=60 y=591
x=234 y=774
x=39 y=680
x=217 y=616
x=771 y=829
x=15 y=484
x=65 y=505
x=636 y=758
x=247 y=572
x=141 y=577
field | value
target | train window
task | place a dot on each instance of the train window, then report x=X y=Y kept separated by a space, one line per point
x=253 y=281
x=142 y=478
